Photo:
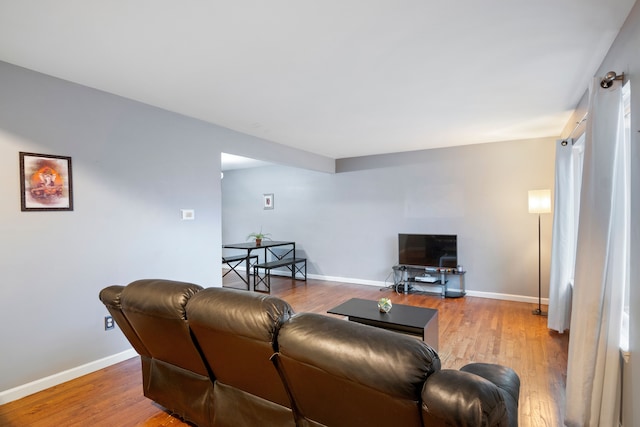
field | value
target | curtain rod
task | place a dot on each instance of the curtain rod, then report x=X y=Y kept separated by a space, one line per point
x=609 y=78
x=607 y=82
x=578 y=123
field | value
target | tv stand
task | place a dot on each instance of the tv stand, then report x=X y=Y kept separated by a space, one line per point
x=406 y=275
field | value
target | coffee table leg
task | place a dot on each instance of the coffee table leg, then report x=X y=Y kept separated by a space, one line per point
x=431 y=334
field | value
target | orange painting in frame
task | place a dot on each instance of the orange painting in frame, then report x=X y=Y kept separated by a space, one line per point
x=45 y=182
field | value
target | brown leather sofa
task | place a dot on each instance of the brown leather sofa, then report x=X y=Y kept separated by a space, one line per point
x=221 y=357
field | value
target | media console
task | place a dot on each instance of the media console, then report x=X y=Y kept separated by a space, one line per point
x=406 y=275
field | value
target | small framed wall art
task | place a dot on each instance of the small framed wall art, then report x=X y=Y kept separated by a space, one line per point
x=268 y=201
x=45 y=182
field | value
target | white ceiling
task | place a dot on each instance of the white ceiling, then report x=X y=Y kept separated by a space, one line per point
x=339 y=78
x=231 y=161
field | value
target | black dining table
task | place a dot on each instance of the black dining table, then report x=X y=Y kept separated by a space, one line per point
x=267 y=246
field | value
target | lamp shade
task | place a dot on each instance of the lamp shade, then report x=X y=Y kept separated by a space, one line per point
x=539 y=201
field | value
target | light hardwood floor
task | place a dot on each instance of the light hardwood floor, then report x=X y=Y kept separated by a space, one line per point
x=471 y=330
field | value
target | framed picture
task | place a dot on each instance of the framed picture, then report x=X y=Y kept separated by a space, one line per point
x=45 y=182
x=268 y=201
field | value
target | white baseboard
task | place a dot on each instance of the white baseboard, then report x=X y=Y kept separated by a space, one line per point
x=508 y=297
x=21 y=391
x=348 y=280
x=471 y=293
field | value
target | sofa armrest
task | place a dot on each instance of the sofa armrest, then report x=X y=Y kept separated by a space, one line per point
x=505 y=379
x=110 y=296
x=502 y=376
x=451 y=397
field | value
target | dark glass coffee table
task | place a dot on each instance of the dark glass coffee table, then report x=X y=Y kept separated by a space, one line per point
x=408 y=319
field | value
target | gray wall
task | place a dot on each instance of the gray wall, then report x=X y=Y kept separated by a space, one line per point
x=134 y=168
x=347 y=223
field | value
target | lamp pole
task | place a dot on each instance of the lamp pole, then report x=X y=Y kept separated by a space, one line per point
x=538 y=311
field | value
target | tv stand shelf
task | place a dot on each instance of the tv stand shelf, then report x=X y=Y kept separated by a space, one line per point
x=405 y=276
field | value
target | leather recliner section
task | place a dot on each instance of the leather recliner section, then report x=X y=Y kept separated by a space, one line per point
x=366 y=375
x=111 y=297
x=178 y=378
x=236 y=333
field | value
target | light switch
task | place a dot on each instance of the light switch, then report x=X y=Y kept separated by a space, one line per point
x=188 y=214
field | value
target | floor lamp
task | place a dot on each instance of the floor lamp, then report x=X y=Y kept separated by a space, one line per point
x=539 y=203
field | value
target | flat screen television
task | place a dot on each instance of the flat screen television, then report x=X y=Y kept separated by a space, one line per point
x=428 y=250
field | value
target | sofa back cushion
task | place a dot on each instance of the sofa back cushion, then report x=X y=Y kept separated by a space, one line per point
x=340 y=373
x=156 y=310
x=236 y=332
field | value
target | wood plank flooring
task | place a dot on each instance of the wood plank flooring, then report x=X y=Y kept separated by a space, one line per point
x=471 y=330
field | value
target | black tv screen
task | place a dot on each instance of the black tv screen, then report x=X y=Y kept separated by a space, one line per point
x=428 y=250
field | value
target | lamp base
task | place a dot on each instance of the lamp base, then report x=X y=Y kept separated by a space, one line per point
x=538 y=312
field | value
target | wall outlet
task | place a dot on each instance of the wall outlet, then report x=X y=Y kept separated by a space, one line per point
x=108 y=323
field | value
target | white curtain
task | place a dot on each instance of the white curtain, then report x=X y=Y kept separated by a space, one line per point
x=568 y=180
x=593 y=374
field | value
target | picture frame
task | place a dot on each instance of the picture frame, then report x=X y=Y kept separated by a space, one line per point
x=46 y=182
x=268 y=201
